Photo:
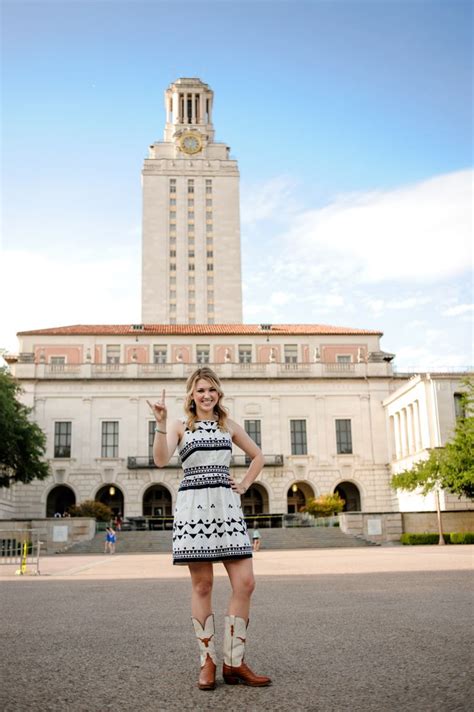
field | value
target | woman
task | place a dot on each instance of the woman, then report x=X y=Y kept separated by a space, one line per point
x=208 y=523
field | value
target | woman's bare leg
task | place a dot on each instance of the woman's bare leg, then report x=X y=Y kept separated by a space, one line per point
x=242 y=580
x=202 y=577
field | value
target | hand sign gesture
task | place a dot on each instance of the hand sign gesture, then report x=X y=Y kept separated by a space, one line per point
x=159 y=409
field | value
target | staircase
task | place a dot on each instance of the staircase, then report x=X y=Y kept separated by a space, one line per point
x=155 y=542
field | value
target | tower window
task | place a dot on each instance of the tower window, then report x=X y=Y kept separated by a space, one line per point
x=208 y=227
x=172 y=201
x=172 y=214
x=172 y=253
x=208 y=201
x=172 y=185
x=210 y=267
x=190 y=202
x=190 y=253
x=191 y=215
x=190 y=186
x=192 y=294
x=172 y=266
x=191 y=267
x=210 y=253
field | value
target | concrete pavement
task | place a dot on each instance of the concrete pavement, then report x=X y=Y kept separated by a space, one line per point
x=360 y=630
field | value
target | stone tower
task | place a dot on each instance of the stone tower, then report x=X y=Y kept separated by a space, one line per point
x=191 y=270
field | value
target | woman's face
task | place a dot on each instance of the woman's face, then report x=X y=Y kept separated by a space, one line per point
x=205 y=396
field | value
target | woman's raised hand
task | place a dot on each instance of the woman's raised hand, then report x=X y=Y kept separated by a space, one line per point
x=159 y=409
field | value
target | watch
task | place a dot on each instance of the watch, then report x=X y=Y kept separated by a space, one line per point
x=190 y=142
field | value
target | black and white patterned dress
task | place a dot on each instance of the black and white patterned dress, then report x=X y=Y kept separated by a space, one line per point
x=208 y=519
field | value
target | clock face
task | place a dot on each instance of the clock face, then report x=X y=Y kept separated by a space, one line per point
x=191 y=143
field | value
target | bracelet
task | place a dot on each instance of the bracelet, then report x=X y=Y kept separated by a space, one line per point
x=163 y=432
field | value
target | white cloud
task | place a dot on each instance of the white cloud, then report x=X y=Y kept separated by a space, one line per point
x=419 y=232
x=272 y=200
x=459 y=310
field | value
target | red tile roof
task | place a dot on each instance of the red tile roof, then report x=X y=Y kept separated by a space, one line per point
x=197 y=329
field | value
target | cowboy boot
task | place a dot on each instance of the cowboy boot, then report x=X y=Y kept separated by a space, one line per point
x=207 y=649
x=235 y=670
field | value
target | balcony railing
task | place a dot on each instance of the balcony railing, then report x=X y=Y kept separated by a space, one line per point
x=180 y=371
x=146 y=463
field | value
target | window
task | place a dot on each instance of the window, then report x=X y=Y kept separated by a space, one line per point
x=151 y=438
x=344 y=358
x=190 y=214
x=208 y=227
x=210 y=296
x=208 y=214
x=172 y=280
x=210 y=307
x=173 y=307
x=62 y=439
x=208 y=202
x=191 y=266
x=245 y=353
x=172 y=293
x=291 y=353
x=172 y=186
x=202 y=353
x=192 y=294
x=159 y=354
x=110 y=436
x=173 y=240
x=459 y=407
x=190 y=280
x=172 y=253
x=173 y=229
x=210 y=267
x=253 y=430
x=191 y=240
x=172 y=266
x=298 y=437
x=172 y=201
x=210 y=280
x=190 y=202
x=210 y=254
x=210 y=320
x=112 y=353
x=57 y=363
x=343 y=437
x=209 y=240
x=208 y=187
x=190 y=253
x=172 y=214
x=190 y=186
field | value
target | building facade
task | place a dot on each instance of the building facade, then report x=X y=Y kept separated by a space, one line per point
x=310 y=396
x=191 y=266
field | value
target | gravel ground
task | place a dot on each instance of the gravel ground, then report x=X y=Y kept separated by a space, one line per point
x=361 y=643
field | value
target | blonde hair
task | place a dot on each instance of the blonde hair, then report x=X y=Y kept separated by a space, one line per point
x=190 y=407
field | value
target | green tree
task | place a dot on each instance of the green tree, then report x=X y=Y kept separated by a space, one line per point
x=458 y=457
x=325 y=505
x=22 y=442
x=426 y=476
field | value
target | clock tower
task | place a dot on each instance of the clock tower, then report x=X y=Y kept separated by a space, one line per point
x=191 y=272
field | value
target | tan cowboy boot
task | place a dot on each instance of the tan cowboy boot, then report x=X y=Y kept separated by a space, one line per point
x=235 y=670
x=207 y=649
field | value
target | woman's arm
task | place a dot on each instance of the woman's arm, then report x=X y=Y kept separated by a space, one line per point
x=245 y=442
x=166 y=437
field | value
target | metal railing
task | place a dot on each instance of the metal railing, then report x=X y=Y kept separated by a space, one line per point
x=145 y=463
x=20 y=547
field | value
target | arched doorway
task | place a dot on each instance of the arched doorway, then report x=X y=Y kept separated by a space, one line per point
x=157 y=502
x=59 y=500
x=255 y=500
x=297 y=496
x=112 y=496
x=349 y=492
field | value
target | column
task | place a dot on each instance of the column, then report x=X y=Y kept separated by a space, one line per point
x=175 y=100
x=416 y=421
x=193 y=108
x=403 y=431
x=410 y=438
x=201 y=108
x=398 y=440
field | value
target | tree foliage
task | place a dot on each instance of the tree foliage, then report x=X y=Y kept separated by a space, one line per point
x=452 y=467
x=325 y=505
x=22 y=442
x=90 y=508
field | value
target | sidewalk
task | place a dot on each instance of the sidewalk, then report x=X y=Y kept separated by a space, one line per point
x=266 y=563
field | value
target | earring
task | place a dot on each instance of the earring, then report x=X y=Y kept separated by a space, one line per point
x=192 y=405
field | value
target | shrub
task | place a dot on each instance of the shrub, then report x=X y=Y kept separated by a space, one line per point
x=90 y=508
x=415 y=539
x=462 y=538
x=325 y=505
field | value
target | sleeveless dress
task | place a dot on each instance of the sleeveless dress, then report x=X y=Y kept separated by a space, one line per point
x=208 y=519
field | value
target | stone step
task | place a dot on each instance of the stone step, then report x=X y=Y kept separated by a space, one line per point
x=288 y=538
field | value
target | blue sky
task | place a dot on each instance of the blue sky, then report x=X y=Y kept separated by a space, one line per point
x=352 y=125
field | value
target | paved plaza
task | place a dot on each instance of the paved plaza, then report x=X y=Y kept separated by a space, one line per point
x=358 y=630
